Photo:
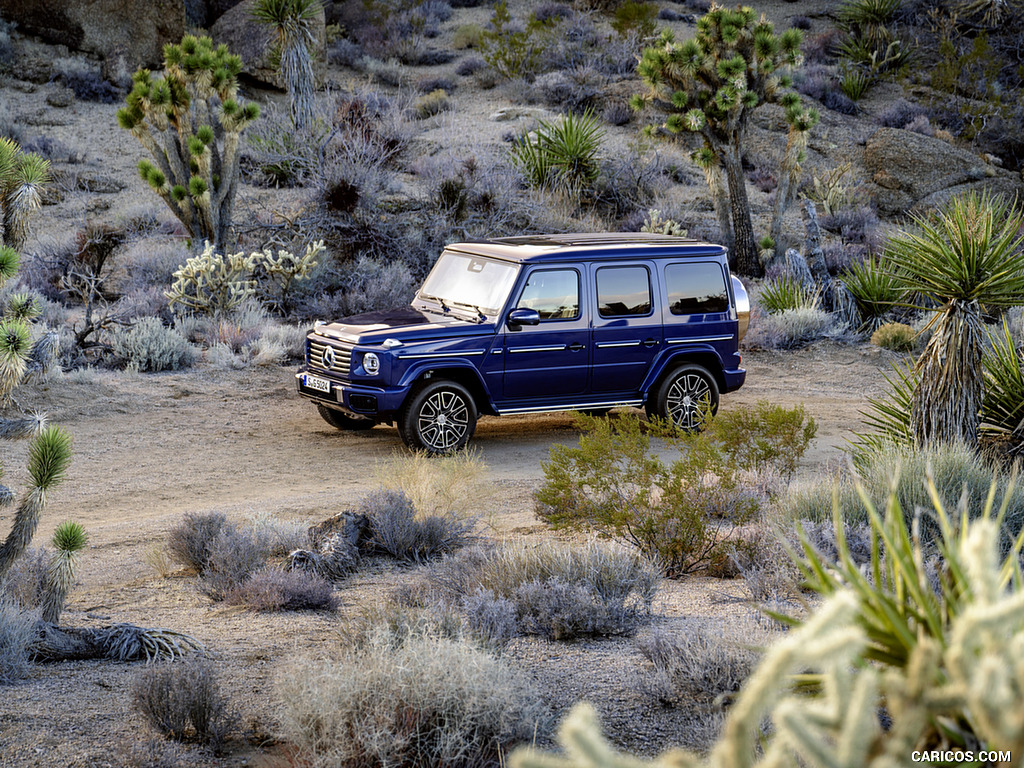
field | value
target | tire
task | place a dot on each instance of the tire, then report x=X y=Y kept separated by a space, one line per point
x=340 y=420
x=684 y=395
x=439 y=418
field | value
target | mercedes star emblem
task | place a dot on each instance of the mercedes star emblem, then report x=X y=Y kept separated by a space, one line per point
x=328 y=357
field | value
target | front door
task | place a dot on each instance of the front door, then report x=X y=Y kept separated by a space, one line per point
x=551 y=359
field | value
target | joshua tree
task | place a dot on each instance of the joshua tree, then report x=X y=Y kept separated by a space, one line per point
x=194 y=111
x=969 y=255
x=292 y=21
x=22 y=177
x=68 y=540
x=709 y=85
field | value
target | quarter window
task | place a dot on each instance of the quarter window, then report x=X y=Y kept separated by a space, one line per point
x=554 y=293
x=696 y=289
x=623 y=291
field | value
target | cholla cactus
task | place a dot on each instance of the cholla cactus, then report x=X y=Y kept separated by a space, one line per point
x=711 y=83
x=194 y=111
x=68 y=540
x=48 y=460
x=22 y=178
x=958 y=687
x=212 y=284
x=655 y=224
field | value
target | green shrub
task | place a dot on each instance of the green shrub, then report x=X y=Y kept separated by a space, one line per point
x=635 y=18
x=561 y=155
x=681 y=515
x=784 y=293
x=896 y=337
x=514 y=50
x=468 y=36
x=149 y=345
x=426 y=702
x=430 y=104
x=558 y=591
x=875 y=288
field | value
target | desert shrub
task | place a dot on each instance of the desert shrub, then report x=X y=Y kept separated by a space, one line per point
x=896 y=337
x=427 y=702
x=281 y=536
x=470 y=66
x=839 y=102
x=437 y=485
x=87 y=83
x=189 y=542
x=490 y=617
x=855 y=224
x=235 y=555
x=367 y=285
x=270 y=589
x=634 y=17
x=679 y=515
x=149 y=345
x=401 y=532
x=765 y=438
x=706 y=660
x=17 y=631
x=184 y=702
x=467 y=36
x=786 y=293
x=511 y=48
x=900 y=113
x=345 y=53
x=617 y=113
x=433 y=103
x=556 y=590
x=149 y=264
x=25 y=583
x=791 y=328
x=955 y=470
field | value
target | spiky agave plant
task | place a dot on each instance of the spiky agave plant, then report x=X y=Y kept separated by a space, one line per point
x=292 y=21
x=194 y=112
x=22 y=178
x=971 y=253
x=68 y=541
x=711 y=83
x=48 y=459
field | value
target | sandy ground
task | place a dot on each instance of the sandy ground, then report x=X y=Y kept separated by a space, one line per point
x=149 y=448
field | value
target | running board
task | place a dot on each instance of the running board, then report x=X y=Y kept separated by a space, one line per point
x=572 y=407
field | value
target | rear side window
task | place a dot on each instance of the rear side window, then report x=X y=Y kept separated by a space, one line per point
x=623 y=291
x=696 y=289
x=554 y=293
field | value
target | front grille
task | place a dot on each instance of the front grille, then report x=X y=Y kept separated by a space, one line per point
x=342 y=357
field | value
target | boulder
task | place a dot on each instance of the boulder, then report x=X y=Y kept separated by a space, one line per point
x=135 y=29
x=908 y=167
x=254 y=42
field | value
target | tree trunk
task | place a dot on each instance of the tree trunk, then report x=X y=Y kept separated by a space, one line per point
x=744 y=247
x=947 y=401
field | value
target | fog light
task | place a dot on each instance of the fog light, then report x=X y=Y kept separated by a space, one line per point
x=371 y=363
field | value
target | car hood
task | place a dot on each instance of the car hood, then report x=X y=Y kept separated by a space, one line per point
x=407 y=324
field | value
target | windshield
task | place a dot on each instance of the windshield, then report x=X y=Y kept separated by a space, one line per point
x=469 y=281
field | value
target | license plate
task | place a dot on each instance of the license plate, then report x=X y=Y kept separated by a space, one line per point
x=315 y=382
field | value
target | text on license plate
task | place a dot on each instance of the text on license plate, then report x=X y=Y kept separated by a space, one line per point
x=320 y=385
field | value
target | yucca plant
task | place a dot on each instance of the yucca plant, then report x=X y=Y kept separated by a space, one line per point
x=191 y=122
x=68 y=540
x=1002 y=406
x=561 y=155
x=295 y=36
x=784 y=293
x=888 y=416
x=875 y=289
x=710 y=84
x=22 y=179
x=968 y=255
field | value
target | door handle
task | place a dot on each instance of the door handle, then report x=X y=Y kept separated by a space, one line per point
x=576 y=346
x=651 y=343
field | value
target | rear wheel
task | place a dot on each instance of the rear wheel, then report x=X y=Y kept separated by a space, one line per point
x=439 y=418
x=340 y=420
x=687 y=396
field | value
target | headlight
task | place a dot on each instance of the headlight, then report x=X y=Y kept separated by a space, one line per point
x=371 y=363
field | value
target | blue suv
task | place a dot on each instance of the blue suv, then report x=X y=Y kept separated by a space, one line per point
x=540 y=323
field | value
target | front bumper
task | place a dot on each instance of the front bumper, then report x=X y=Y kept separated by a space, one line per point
x=378 y=403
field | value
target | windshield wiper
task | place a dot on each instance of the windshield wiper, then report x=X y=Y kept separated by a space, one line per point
x=480 y=316
x=439 y=300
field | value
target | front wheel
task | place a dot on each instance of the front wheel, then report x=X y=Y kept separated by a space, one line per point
x=687 y=396
x=439 y=418
x=340 y=420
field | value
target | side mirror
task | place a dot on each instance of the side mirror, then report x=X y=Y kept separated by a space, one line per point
x=522 y=316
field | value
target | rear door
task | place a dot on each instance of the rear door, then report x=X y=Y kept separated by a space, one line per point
x=627 y=325
x=551 y=359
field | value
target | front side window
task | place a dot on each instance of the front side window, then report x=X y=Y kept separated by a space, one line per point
x=696 y=289
x=554 y=293
x=470 y=281
x=623 y=291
